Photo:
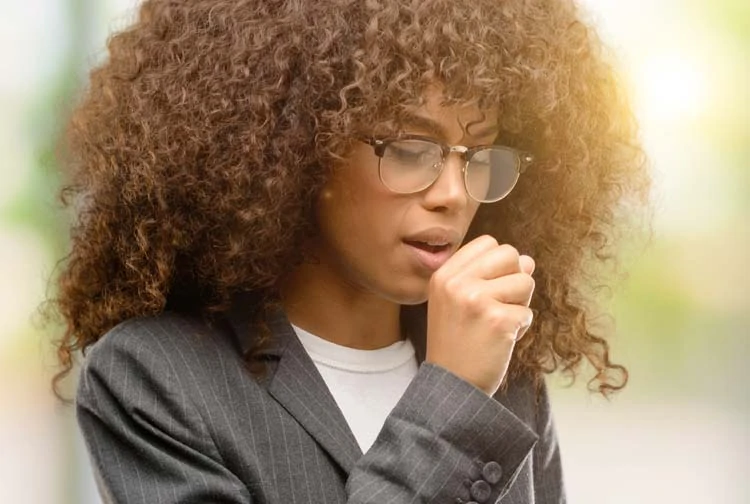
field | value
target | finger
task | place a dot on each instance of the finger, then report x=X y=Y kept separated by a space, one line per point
x=528 y=265
x=511 y=320
x=494 y=263
x=522 y=332
x=469 y=252
x=516 y=288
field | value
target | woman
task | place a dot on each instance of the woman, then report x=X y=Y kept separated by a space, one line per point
x=302 y=266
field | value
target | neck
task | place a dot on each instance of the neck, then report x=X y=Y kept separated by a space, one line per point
x=317 y=300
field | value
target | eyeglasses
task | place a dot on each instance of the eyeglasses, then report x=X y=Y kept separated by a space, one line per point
x=411 y=163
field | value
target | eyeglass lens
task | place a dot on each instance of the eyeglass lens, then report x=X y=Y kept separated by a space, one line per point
x=411 y=165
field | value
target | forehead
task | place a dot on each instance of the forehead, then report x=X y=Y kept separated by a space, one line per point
x=437 y=115
x=438 y=104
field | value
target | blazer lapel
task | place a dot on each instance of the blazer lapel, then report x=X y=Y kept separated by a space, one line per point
x=297 y=385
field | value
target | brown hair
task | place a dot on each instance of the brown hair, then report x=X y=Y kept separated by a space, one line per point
x=201 y=144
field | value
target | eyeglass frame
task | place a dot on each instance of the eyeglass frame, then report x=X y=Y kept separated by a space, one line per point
x=379 y=144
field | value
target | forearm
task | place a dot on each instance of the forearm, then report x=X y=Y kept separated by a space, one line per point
x=444 y=440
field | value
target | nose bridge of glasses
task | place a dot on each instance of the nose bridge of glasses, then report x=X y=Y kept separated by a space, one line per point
x=455 y=176
x=460 y=149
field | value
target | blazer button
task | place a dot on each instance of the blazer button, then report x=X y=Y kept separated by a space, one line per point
x=463 y=493
x=492 y=472
x=481 y=491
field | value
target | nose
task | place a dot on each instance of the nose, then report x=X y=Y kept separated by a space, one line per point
x=448 y=192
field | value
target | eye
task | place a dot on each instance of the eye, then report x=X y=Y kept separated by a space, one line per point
x=481 y=158
x=413 y=152
x=407 y=152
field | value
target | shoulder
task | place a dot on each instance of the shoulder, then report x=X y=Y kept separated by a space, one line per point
x=162 y=353
x=141 y=384
x=168 y=337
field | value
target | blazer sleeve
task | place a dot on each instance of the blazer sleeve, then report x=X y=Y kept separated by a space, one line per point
x=548 y=475
x=146 y=441
x=445 y=441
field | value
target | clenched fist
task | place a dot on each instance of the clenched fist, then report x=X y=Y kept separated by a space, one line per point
x=478 y=308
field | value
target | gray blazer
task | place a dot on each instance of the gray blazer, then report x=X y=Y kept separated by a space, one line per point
x=170 y=414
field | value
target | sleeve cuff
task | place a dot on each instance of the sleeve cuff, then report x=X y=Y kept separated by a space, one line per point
x=447 y=441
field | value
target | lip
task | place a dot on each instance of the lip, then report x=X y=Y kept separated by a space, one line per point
x=431 y=261
x=436 y=234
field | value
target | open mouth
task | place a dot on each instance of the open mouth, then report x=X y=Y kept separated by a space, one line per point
x=429 y=255
x=432 y=248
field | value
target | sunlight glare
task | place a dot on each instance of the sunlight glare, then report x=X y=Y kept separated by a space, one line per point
x=670 y=85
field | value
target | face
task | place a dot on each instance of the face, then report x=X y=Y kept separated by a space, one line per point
x=377 y=242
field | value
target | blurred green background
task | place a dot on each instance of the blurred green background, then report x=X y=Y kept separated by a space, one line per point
x=678 y=433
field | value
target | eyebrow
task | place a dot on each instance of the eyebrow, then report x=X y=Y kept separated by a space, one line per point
x=424 y=123
x=434 y=128
x=490 y=129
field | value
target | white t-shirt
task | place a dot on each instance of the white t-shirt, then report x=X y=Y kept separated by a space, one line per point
x=366 y=384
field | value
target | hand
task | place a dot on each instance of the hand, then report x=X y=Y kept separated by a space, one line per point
x=478 y=307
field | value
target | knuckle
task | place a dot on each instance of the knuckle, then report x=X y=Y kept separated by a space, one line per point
x=470 y=298
x=509 y=251
x=451 y=284
x=510 y=320
x=499 y=318
x=490 y=239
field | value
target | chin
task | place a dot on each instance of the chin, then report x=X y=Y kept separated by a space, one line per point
x=413 y=293
x=414 y=301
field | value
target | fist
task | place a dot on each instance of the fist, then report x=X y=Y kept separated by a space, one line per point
x=478 y=307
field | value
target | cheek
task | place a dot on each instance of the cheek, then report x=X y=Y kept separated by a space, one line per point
x=354 y=207
x=362 y=213
x=351 y=180
x=354 y=189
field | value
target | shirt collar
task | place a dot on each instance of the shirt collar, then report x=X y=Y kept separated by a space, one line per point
x=240 y=319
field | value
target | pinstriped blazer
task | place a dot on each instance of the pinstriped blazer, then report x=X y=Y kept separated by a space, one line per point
x=170 y=414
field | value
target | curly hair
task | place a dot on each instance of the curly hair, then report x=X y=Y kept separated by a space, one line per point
x=200 y=146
